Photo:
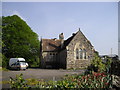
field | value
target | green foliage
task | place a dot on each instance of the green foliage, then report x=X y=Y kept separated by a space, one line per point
x=108 y=64
x=93 y=80
x=97 y=63
x=18 y=82
x=4 y=61
x=0 y=59
x=4 y=69
x=0 y=42
x=32 y=81
x=18 y=39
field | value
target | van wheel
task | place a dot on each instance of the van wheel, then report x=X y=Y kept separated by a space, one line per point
x=18 y=68
x=10 y=68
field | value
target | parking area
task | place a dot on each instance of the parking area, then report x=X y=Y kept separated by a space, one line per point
x=46 y=74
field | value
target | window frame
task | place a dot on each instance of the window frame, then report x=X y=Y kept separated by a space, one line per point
x=77 y=53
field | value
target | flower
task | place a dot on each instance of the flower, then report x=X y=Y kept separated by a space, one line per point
x=83 y=77
x=97 y=74
x=106 y=83
x=88 y=75
x=104 y=75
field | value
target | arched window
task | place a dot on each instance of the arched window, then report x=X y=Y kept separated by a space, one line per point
x=84 y=54
x=77 y=54
x=81 y=53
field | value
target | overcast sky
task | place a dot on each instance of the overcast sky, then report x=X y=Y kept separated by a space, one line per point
x=97 y=20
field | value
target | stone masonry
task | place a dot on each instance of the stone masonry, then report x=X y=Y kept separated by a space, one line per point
x=75 y=52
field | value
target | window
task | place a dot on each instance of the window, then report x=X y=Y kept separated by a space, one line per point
x=81 y=53
x=50 y=53
x=77 y=54
x=84 y=54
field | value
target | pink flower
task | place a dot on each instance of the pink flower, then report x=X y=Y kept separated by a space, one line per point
x=88 y=75
x=104 y=75
x=106 y=83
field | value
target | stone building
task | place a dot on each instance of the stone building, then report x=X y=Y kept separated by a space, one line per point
x=75 y=52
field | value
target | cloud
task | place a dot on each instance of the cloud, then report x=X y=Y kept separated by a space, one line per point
x=17 y=13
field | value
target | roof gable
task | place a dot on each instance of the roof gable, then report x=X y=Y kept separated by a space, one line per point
x=67 y=42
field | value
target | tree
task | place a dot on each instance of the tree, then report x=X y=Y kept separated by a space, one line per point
x=97 y=62
x=19 y=40
x=0 y=41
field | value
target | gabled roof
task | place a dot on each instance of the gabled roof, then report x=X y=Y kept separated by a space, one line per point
x=66 y=42
x=55 y=44
x=50 y=44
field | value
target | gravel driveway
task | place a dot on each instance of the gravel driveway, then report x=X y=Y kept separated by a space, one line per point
x=47 y=74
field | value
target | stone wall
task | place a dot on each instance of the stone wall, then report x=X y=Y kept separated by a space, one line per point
x=49 y=60
x=79 y=41
x=67 y=58
x=43 y=54
x=62 y=59
x=70 y=58
x=82 y=63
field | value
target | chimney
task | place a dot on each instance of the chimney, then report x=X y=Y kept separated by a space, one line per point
x=61 y=37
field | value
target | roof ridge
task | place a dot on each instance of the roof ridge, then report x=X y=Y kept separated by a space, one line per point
x=50 y=39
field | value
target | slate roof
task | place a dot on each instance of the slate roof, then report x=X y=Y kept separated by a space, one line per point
x=50 y=44
x=66 y=42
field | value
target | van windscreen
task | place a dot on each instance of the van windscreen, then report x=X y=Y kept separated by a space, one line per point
x=23 y=63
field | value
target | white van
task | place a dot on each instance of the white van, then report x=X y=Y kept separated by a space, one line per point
x=18 y=63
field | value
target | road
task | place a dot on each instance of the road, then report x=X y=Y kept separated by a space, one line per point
x=46 y=74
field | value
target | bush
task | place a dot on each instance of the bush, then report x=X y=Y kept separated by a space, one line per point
x=5 y=62
x=92 y=80
x=0 y=59
x=98 y=65
x=18 y=82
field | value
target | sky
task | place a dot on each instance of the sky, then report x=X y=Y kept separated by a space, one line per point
x=119 y=30
x=97 y=20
